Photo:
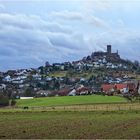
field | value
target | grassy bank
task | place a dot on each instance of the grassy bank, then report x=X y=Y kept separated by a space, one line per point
x=73 y=125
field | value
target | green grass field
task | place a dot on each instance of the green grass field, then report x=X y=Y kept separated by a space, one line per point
x=70 y=125
x=58 y=74
x=70 y=100
x=73 y=74
x=74 y=117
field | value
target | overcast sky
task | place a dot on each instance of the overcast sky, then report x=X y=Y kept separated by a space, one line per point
x=35 y=31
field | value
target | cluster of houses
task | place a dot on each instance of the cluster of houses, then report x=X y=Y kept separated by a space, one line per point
x=122 y=88
x=17 y=82
x=38 y=82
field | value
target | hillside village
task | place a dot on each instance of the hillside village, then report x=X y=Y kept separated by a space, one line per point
x=99 y=73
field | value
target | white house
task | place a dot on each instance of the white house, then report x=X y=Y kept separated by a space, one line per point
x=37 y=76
x=17 y=82
x=2 y=86
x=124 y=90
x=72 y=93
x=89 y=65
x=104 y=60
x=96 y=64
x=7 y=78
x=21 y=85
x=42 y=92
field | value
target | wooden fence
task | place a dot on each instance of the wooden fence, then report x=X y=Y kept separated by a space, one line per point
x=97 y=107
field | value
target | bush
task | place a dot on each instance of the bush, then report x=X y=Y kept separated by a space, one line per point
x=29 y=92
x=4 y=100
x=13 y=102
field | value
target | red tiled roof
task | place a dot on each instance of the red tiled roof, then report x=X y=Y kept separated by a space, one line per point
x=63 y=92
x=120 y=86
x=107 y=87
x=82 y=89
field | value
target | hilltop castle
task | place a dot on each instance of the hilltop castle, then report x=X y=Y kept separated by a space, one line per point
x=108 y=54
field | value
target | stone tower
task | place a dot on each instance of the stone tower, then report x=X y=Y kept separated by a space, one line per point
x=109 y=49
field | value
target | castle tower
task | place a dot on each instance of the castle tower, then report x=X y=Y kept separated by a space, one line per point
x=109 y=49
x=117 y=52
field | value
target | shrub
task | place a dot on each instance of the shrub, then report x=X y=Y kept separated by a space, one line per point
x=13 y=102
x=4 y=100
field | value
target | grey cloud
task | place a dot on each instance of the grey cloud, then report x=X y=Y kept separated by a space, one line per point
x=2 y=7
x=96 y=5
x=28 y=41
x=78 y=16
x=31 y=23
x=67 y=15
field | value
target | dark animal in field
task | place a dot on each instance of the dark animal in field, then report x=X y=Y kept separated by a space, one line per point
x=25 y=107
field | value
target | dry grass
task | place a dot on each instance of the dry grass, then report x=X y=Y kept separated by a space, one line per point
x=90 y=107
x=70 y=125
